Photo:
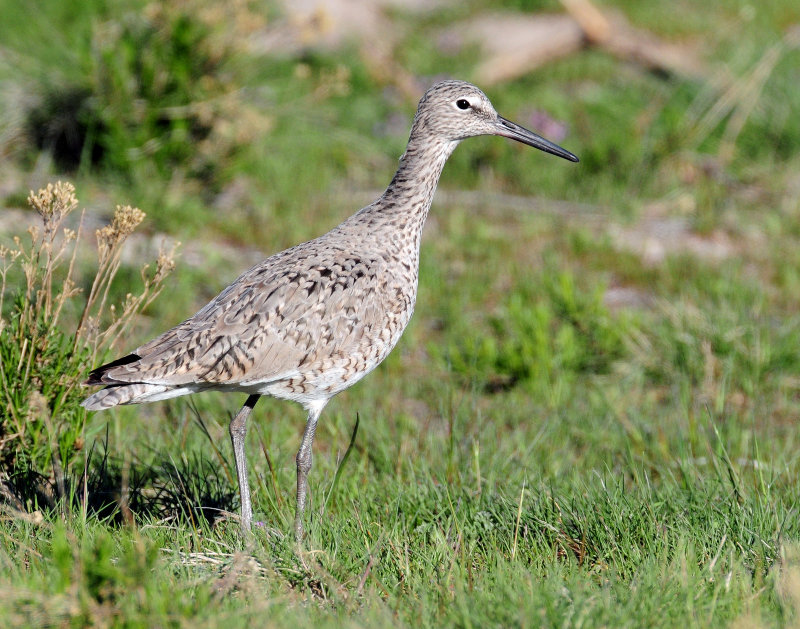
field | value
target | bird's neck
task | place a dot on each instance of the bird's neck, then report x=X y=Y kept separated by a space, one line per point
x=404 y=206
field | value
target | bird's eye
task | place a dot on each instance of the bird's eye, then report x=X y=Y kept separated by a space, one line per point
x=462 y=103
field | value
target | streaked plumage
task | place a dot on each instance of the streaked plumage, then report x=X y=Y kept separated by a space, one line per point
x=308 y=322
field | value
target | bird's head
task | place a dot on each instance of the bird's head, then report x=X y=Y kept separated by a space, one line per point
x=455 y=110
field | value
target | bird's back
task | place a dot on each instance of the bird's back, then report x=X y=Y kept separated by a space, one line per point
x=305 y=323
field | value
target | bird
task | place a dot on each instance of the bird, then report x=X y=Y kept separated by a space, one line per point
x=311 y=321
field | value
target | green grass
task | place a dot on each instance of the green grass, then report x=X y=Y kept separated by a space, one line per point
x=533 y=453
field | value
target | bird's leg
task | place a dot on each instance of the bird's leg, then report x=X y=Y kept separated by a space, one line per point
x=238 y=430
x=304 y=466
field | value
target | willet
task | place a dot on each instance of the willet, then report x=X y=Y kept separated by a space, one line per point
x=311 y=321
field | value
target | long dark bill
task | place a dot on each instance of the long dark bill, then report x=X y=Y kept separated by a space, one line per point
x=509 y=129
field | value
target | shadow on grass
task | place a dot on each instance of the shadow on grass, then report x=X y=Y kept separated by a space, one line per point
x=193 y=490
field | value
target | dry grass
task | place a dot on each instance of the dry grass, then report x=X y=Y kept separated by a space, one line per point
x=42 y=365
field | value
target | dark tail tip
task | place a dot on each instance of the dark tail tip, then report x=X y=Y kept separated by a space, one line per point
x=96 y=375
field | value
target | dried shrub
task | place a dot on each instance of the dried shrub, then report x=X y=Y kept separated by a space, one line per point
x=41 y=362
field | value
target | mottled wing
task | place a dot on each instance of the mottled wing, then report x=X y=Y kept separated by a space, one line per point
x=268 y=325
x=335 y=311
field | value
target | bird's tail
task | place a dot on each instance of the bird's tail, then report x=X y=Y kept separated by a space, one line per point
x=136 y=393
x=128 y=394
x=117 y=391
